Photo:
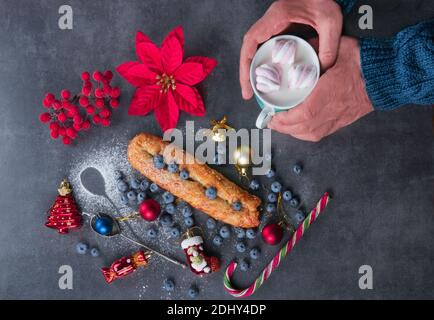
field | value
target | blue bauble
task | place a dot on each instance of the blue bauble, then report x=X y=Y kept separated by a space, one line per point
x=103 y=225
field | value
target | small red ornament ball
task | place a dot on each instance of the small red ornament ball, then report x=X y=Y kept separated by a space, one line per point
x=149 y=210
x=272 y=234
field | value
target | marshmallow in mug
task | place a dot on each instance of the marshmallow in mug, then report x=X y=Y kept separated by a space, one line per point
x=267 y=78
x=284 y=51
x=301 y=76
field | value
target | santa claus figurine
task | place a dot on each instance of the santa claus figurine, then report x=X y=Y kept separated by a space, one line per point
x=198 y=261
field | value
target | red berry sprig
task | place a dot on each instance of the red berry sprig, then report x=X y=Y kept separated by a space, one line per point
x=69 y=115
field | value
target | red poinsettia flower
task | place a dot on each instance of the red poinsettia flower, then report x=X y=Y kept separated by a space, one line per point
x=164 y=81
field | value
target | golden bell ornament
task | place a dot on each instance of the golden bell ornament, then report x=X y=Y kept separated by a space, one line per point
x=219 y=128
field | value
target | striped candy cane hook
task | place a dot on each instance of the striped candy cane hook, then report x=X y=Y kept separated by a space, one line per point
x=314 y=213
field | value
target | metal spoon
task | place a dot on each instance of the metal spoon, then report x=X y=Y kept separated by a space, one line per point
x=92 y=180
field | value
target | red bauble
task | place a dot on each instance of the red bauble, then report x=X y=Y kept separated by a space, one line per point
x=149 y=210
x=272 y=234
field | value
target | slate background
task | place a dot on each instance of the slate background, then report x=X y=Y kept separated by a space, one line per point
x=379 y=169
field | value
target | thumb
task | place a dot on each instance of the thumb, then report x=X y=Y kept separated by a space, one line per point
x=329 y=38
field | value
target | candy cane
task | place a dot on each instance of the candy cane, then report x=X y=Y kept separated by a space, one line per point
x=322 y=203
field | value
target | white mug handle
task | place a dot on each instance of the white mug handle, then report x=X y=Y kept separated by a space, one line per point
x=264 y=117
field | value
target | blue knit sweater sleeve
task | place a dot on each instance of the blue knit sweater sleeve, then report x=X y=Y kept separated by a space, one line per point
x=346 y=5
x=400 y=70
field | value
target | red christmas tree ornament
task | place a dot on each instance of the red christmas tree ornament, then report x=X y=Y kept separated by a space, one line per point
x=199 y=263
x=272 y=234
x=149 y=210
x=124 y=266
x=64 y=214
x=164 y=81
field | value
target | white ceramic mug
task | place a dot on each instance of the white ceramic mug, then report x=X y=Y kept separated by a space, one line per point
x=284 y=99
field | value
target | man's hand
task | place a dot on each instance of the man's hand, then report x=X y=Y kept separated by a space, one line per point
x=338 y=99
x=324 y=16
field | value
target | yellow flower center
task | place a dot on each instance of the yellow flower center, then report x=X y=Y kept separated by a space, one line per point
x=166 y=82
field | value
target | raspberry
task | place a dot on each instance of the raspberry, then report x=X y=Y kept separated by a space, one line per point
x=56 y=105
x=96 y=119
x=61 y=117
x=78 y=119
x=86 y=91
x=99 y=93
x=62 y=132
x=65 y=94
x=70 y=132
x=85 y=125
x=97 y=76
x=107 y=89
x=114 y=103
x=54 y=126
x=77 y=126
x=90 y=109
x=85 y=76
x=46 y=103
x=105 y=122
x=49 y=97
x=45 y=117
x=74 y=110
x=108 y=75
x=104 y=113
x=69 y=114
x=54 y=134
x=84 y=101
x=66 y=141
x=115 y=92
x=99 y=103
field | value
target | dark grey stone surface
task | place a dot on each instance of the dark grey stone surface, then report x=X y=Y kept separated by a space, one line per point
x=379 y=169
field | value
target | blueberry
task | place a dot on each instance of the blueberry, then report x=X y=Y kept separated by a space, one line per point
x=122 y=186
x=268 y=156
x=276 y=187
x=187 y=211
x=144 y=185
x=170 y=208
x=141 y=196
x=189 y=222
x=131 y=195
x=217 y=240
x=193 y=292
x=169 y=285
x=118 y=175
x=297 y=169
x=294 y=202
x=135 y=183
x=184 y=174
x=166 y=220
x=81 y=248
x=270 y=173
x=298 y=217
x=211 y=193
x=159 y=161
x=237 y=206
x=240 y=246
x=287 y=195
x=272 y=197
x=94 y=252
x=244 y=265
x=254 y=253
x=254 y=185
x=154 y=187
x=251 y=234
x=168 y=197
x=173 y=167
x=210 y=223
x=124 y=199
x=240 y=233
x=174 y=232
x=271 y=207
x=152 y=232
x=225 y=232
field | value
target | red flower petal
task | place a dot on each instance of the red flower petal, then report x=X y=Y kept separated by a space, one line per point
x=142 y=72
x=189 y=73
x=167 y=113
x=124 y=69
x=208 y=64
x=141 y=37
x=189 y=100
x=177 y=33
x=171 y=54
x=144 y=100
x=150 y=55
